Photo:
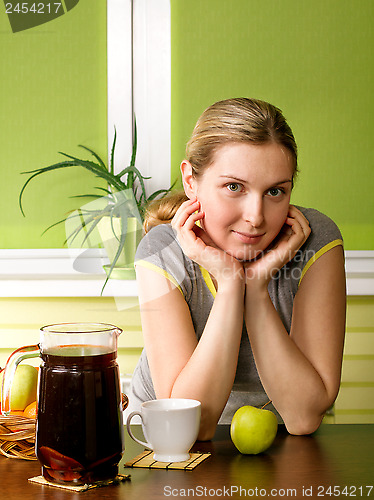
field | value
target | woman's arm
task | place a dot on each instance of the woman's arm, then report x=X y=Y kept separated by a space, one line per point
x=180 y=365
x=301 y=371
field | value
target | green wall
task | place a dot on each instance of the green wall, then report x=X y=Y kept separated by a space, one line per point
x=314 y=60
x=53 y=97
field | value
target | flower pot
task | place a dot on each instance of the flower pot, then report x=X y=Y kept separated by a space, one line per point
x=110 y=233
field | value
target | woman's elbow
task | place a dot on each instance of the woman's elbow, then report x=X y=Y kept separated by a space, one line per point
x=207 y=431
x=205 y=434
x=208 y=427
x=303 y=425
x=303 y=421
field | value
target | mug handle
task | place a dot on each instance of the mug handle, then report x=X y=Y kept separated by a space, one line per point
x=132 y=414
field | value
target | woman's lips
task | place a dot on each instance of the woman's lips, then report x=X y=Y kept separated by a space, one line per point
x=249 y=239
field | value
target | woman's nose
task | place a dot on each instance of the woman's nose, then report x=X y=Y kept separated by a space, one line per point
x=253 y=211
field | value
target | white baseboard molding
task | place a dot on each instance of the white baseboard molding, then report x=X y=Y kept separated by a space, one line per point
x=79 y=273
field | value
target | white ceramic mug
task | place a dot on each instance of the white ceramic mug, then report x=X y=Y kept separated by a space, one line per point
x=170 y=427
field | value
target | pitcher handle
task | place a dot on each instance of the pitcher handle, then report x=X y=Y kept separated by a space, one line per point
x=147 y=445
x=30 y=351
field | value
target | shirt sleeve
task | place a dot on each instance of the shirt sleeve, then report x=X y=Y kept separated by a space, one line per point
x=324 y=236
x=160 y=251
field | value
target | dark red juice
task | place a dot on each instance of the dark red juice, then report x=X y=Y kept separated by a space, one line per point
x=79 y=437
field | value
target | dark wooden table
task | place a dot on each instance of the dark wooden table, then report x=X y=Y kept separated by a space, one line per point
x=337 y=460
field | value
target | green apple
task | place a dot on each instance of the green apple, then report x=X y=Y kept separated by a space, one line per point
x=253 y=429
x=24 y=386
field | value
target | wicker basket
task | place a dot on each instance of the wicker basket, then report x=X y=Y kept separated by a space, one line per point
x=17 y=437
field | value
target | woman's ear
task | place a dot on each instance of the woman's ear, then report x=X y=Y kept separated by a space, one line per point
x=189 y=182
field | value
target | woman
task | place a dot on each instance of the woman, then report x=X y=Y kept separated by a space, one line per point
x=242 y=294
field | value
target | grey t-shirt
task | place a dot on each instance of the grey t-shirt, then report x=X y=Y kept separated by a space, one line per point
x=159 y=250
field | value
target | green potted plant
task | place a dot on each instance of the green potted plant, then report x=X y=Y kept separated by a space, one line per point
x=118 y=215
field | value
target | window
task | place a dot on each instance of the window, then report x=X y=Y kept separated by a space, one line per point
x=138 y=55
x=138 y=34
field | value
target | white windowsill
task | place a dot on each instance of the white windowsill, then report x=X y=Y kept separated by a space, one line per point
x=58 y=273
x=359 y=265
x=79 y=273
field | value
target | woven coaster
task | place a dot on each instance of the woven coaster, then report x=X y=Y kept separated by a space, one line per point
x=84 y=487
x=146 y=460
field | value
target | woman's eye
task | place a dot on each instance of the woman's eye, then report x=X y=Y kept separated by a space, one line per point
x=275 y=192
x=233 y=187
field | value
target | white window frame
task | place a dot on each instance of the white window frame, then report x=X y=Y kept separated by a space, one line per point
x=139 y=83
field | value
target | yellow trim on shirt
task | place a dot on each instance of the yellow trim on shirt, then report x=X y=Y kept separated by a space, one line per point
x=159 y=270
x=208 y=281
x=318 y=254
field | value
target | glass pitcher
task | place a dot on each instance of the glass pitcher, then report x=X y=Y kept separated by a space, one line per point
x=79 y=430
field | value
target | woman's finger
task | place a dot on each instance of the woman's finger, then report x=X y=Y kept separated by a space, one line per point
x=186 y=221
x=184 y=211
x=301 y=219
x=185 y=206
x=187 y=234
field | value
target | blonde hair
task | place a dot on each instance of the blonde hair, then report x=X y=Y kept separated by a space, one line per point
x=163 y=210
x=231 y=120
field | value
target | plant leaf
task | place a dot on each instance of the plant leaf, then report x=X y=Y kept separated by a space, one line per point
x=103 y=189
x=111 y=166
x=121 y=244
x=131 y=168
x=87 y=223
x=95 y=196
x=157 y=193
x=134 y=145
x=88 y=165
x=96 y=167
x=53 y=225
x=101 y=163
x=37 y=172
x=60 y=164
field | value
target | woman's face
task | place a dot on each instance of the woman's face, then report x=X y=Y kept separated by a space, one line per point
x=245 y=195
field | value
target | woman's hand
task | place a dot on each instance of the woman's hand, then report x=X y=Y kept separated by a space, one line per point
x=292 y=236
x=197 y=245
